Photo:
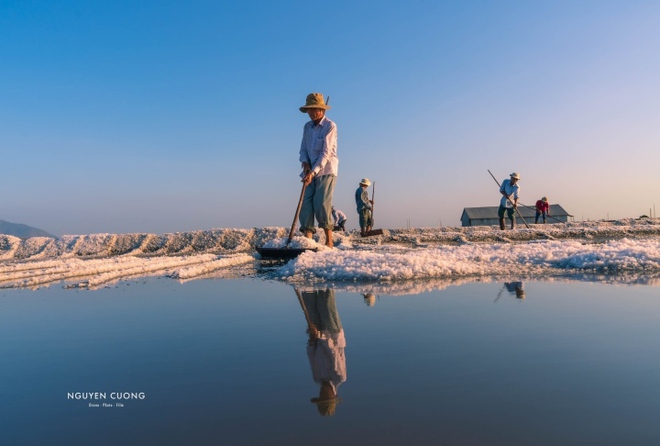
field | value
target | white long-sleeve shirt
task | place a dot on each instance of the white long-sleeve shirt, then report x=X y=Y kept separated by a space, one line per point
x=319 y=147
x=327 y=359
x=338 y=217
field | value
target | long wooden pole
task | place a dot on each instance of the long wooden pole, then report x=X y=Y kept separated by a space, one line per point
x=295 y=217
x=304 y=308
x=373 y=193
x=509 y=198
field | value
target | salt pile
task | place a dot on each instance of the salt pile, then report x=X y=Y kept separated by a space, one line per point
x=623 y=248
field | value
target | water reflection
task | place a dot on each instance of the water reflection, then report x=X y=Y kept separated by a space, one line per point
x=579 y=355
x=369 y=299
x=514 y=288
x=325 y=346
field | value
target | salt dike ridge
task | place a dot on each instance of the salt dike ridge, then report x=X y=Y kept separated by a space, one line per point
x=232 y=241
x=219 y=241
x=629 y=248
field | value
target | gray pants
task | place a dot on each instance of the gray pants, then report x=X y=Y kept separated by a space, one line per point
x=366 y=219
x=322 y=310
x=317 y=202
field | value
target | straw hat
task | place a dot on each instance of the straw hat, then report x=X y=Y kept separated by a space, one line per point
x=327 y=401
x=326 y=407
x=515 y=176
x=314 y=100
x=366 y=182
x=544 y=199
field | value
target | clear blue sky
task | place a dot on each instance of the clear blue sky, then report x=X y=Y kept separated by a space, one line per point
x=164 y=116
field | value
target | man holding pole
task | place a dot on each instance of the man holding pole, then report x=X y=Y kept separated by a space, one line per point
x=509 y=202
x=542 y=209
x=364 y=207
x=318 y=156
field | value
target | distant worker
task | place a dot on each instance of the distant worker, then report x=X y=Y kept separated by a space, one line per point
x=318 y=155
x=509 y=201
x=364 y=206
x=542 y=209
x=339 y=219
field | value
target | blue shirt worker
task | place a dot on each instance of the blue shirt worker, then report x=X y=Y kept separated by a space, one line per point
x=364 y=206
x=318 y=155
x=509 y=202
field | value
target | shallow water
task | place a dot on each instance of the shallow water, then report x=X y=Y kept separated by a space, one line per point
x=226 y=362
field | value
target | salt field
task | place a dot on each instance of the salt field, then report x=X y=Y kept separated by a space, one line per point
x=168 y=271
x=97 y=260
x=459 y=336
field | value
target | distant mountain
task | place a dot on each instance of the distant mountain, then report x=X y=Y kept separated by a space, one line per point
x=21 y=230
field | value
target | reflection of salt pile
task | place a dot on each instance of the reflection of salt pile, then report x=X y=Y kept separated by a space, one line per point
x=93 y=273
x=405 y=287
x=423 y=286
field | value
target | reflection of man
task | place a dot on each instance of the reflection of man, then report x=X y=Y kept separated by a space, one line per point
x=516 y=288
x=325 y=347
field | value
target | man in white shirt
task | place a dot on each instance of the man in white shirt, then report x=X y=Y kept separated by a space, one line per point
x=338 y=219
x=509 y=202
x=318 y=155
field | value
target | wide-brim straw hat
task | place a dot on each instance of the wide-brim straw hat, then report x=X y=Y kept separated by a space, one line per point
x=330 y=400
x=326 y=407
x=366 y=182
x=314 y=100
x=515 y=176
